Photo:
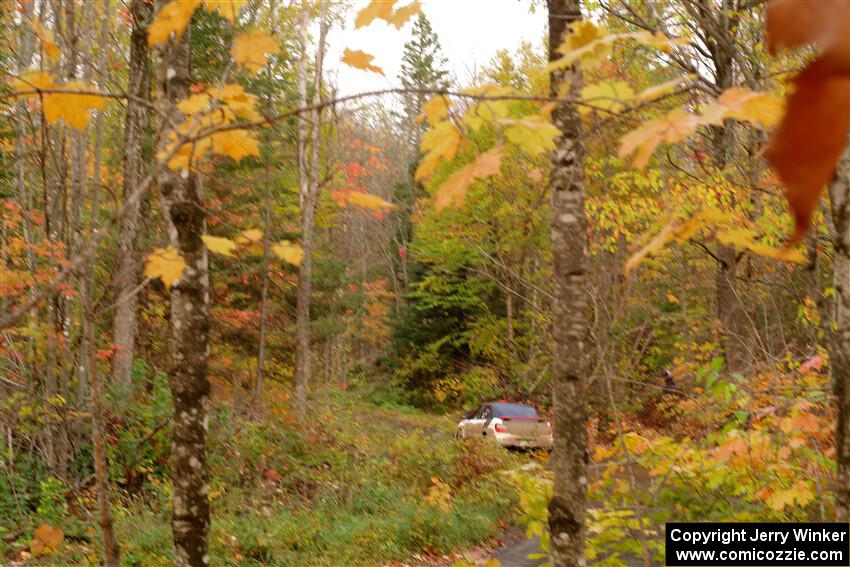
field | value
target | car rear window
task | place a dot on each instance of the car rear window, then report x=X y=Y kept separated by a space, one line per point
x=514 y=410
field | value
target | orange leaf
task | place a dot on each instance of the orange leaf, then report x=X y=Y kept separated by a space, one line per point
x=453 y=189
x=376 y=9
x=400 y=16
x=50 y=536
x=360 y=60
x=670 y=128
x=806 y=146
x=825 y=23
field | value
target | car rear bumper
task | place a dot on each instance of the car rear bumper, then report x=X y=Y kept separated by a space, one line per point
x=516 y=442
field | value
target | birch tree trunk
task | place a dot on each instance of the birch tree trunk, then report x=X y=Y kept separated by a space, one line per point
x=308 y=169
x=184 y=214
x=126 y=272
x=570 y=329
x=839 y=343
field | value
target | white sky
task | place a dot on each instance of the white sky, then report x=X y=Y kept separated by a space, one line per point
x=470 y=33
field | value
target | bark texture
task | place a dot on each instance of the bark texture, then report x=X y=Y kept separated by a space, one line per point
x=839 y=343
x=570 y=329
x=184 y=212
x=135 y=122
x=308 y=169
x=718 y=27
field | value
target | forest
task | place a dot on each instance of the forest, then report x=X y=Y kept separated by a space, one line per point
x=245 y=303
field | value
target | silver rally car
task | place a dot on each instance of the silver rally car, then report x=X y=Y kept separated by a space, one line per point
x=510 y=425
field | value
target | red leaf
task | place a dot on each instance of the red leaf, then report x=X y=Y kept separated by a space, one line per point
x=806 y=145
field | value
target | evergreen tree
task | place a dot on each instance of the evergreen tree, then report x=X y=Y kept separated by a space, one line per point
x=422 y=67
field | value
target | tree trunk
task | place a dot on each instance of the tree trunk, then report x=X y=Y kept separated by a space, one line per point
x=264 y=307
x=302 y=294
x=135 y=121
x=839 y=343
x=184 y=213
x=718 y=28
x=309 y=184
x=111 y=551
x=570 y=330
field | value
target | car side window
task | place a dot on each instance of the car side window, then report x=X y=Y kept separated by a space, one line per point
x=486 y=413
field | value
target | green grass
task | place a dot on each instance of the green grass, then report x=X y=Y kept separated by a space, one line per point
x=349 y=488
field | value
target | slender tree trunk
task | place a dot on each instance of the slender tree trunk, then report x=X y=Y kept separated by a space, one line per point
x=111 y=551
x=126 y=272
x=90 y=286
x=184 y=213
x=839 y=343
x=302 y=294
x=570 y=330
x=308 y=167
x=264 y=307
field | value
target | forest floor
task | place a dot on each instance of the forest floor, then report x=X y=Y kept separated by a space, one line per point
x=363 y=482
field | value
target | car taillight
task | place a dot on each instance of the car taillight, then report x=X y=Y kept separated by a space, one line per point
x=500 y=428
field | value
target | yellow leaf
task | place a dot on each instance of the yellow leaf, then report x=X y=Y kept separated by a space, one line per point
x=587 y=43
x=166 y=264
x=800 y=494
x=487 y=111
x=439 y=143
x=743 y=104
x=745 y=238
x=71 y=107
x=174 y=17
x=434 y=110
x=401 y=15
x=251 y=49
x=45 y=36
x=360 y=60
x=31 y=81
x=235 y=144
x=673 y=230
x=249 y=235
x=670 y=128
x=611 y=96
x=194 y=104
x=453 y=190
x=288 y=252
x=369 y=201
x=533 y=135
x=672 y=298
x=223 y=246
x=668 y=87
x=243 y=105
x=659 y=41
x=582 y=33
x=229 y=9
x=376 y=9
